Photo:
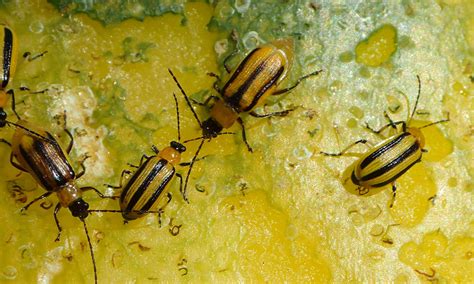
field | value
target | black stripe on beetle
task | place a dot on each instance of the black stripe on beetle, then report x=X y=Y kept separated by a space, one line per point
x=398 y=160
x=34 y=167
x=158 y=191
x=369 y=159
x=7 y=55
x=397 y=175
x=239 y=69
x=262 y=91
x=146 y=183
x=234 y=100
x=57 y=167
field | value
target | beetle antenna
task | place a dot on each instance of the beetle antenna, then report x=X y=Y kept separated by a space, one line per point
x=203 y=137
x=91 y=250
x=194 y=139
x=186 y=97
x=177 y=115
x=121 y=211
x=31 y=131
x=437 y=122
x=189 y=171
x=417 y=98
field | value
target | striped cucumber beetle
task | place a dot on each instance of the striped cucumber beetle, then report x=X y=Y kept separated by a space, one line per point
x=148 y=186
x=385 y=162
x=9 y=61
x=256 y=78
x=38 y=153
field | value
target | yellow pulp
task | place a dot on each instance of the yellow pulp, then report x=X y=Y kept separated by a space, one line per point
x=282 y=213
x=377 y=49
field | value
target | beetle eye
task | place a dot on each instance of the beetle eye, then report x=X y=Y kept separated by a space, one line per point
x=3 y=117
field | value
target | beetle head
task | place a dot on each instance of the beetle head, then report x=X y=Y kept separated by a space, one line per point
x=178 y=146
x=210 y=128
x=79 y=208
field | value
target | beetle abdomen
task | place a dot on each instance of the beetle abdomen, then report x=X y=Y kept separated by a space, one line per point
x=146 y=187
x=387 y=161
x=255 y=78
x=43 y=159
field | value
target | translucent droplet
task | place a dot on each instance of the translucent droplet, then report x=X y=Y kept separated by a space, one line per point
x=346 y=57
x=268 y=130
x=36 y=27
x=251 y=40
x=301 y=152
x=9 y=272
x=242 y=5
x=356 y=112
x=351 y=123
x=376 y=230
x=335 y=87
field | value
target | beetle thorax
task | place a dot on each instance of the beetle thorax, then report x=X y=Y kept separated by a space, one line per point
x=223 y=114
x=3 y=98
x=418 y=135
x=68 y=193
x=171 y=155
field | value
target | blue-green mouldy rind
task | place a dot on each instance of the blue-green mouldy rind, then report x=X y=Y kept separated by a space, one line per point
x=109 y=12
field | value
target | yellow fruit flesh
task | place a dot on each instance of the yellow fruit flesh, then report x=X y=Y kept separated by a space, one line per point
x=281 y=213
x=378 y=48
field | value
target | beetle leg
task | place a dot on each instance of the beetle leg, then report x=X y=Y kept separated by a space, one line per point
x=206 y=102
x=394 y=191
x=15 y=164
x=71 y=142
x=5 y=141
x=170 y=196
x=83 y=168
x=27 y=55
x=277 y=113
x=392 y=124
x=180 y=184
x=301 y=79
x=56 y=210
x=132 y=165
x=35 y=200
x=12 y=94
x=143 y=158
x=244 y=137
x=217 y=82
x=24 y=88
x=100 y=194
x=227 y=59
x=361 y=141
x=154 y=149
x=124 y=172
x=69 y=134
x=162 y=209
